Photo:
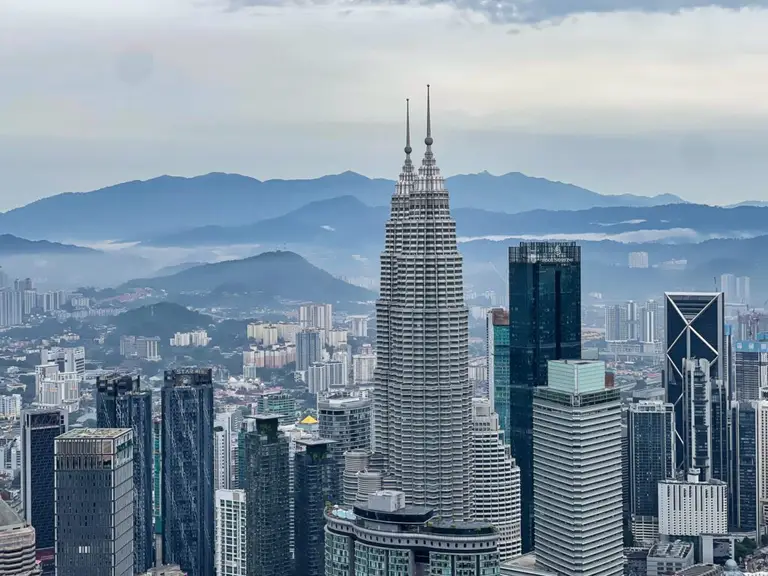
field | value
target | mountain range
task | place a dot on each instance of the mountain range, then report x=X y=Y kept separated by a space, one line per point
x=265 y=278
x=138 y=209
x=345 y=220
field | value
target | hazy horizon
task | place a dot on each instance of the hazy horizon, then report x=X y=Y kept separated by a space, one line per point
x=638 y=97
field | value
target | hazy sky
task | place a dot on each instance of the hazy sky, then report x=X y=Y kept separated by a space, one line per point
x=640 y=96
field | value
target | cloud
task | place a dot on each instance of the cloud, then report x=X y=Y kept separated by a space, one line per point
x=538 y=11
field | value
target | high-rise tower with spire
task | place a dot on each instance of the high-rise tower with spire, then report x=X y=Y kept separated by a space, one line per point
x=423 y=398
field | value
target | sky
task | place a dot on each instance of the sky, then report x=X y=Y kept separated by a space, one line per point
x=618 y=96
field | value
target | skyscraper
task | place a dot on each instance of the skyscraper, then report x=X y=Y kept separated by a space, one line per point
x=544 y=325
x=94 y=502
x=265 y=475
x=577 y=472
x=750 y=369
x=17 y=544
x=423 y=394
x=39 y=428
x=317 y=473
x=748 y=486
x=695 y=330
x=346 y=420
x=121 y=403
x=497 y=334
x=187 y=470
x=651 y=436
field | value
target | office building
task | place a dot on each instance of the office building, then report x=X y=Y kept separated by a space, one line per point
x=544 y=325
x=94 y=502
x=231 y=533
x=317 y=482
x=695 y=329
x=39 y=428
x=17 y=544
x=309 y=348
x=495 y=483
x=423 y=406
x=266 y=482
x=187 y=470
x=409 y=540
x=749 y=474
x=651 y=458
x=690 y=507
x=345 y=420
x=121 y=403
x=222 y=456
x=638 y=259
x=750 y=370
x=67 y=359
x=157 y=490
x=577 y=472
x=318 y=316
x=497 y=336
x=669 y=558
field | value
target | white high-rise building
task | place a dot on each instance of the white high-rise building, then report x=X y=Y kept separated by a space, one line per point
x=495 y=480
x=318 y=316
x=67 y=359
x=729 y=285
x=10 y=406
x=358 y=326
x=692 y=507
x=231 y=533
x=577 y=474
x=363 y=367
x=650 y=322
x=423 y=396
x=222 y=454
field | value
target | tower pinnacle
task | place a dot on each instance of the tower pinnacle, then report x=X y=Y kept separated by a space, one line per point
x=408 y=148
x=428 y=140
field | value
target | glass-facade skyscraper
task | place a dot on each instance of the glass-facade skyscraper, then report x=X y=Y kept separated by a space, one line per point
x=39 y=428
x=120 y=403
x=94 y=502
x=265 y=474
x=187 y=470
x=544 y=325
x=317 y=473
x=497 y=328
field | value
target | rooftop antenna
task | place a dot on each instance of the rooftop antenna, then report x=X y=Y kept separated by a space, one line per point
x=408 y=148
x=428 y=140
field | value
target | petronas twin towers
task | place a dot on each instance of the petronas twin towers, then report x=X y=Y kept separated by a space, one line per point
x=423 y=397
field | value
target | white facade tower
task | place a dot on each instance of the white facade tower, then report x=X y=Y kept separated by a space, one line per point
x=422 y=391
x=495 y=480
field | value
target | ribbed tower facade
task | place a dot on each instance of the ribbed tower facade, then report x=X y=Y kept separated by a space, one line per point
x=423 y=398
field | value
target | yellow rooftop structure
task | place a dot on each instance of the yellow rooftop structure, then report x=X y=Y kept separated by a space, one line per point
x=308 y=420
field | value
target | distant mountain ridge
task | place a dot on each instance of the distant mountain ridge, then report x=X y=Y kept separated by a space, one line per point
x=346 y=221
x=171 y=204
x=11 y=245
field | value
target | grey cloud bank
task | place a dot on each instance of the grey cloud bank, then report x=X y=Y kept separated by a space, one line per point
x=539 y=11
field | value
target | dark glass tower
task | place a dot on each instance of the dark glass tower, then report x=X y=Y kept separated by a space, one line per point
x=745 y=497
x=94 y=502
x=544 y=325
x=498 y=366
x=265 y=473
x=317 y=474
x=38 y=432
x=120 y=403
x=187 y=468
x=695 y=329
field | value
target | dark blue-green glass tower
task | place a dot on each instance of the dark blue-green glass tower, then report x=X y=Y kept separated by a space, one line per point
x=187 y=471
x=120 y=403
x=544 y=325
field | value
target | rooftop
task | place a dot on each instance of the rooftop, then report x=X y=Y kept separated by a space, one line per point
x=677 y=549
x=315 y=441
x=100 y=433
x=309 y=420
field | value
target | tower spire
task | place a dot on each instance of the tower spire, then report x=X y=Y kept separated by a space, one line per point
x=408 y=148
x=428 y=140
